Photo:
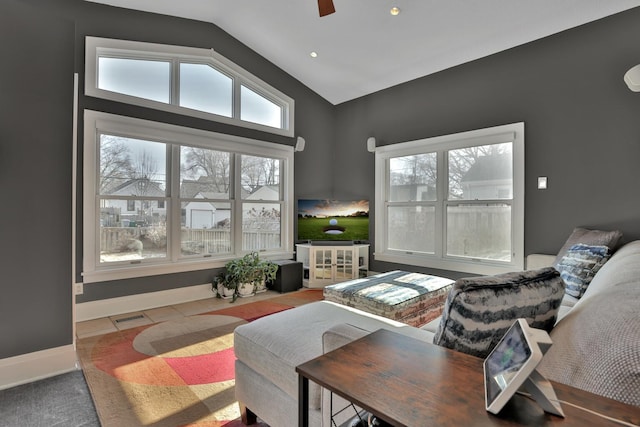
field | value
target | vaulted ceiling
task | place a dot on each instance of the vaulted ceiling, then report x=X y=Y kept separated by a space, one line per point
x=362 y=48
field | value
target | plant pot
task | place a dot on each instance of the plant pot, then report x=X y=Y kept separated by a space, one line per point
x=225 y=293
x=261 y=287
x=246 y=290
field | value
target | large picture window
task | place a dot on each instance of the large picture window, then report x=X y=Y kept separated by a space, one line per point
x=454 y=202
x=161 y=198
x=184 y=80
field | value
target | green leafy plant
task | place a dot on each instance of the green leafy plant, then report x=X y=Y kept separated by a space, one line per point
x=249 y=270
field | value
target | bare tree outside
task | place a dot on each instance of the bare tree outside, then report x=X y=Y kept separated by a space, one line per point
x=413 y=177
x=460 y=161
x=258 y=172
x=133 y=208
x=145 y=170
x=260 y=178
x=204 y=165
x=125 y=159
x=416 y=169
x=115 y=163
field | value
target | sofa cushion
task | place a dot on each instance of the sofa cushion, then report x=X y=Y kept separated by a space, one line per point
x=580 y=264
x=479 y=310
x=591 y=238
x=274 y=345
x=596 y=346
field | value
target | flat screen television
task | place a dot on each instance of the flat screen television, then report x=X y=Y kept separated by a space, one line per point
x=333 y=220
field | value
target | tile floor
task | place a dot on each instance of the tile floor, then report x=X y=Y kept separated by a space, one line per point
x=146 y=317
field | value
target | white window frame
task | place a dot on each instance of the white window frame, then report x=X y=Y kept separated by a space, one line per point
x=512 y=132
x=98 y=122
x=96 y=47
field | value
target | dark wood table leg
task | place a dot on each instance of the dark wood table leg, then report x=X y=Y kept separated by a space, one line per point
x=303 y=401
x=246 y=416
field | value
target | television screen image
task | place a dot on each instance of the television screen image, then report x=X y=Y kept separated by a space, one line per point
x=320 y=219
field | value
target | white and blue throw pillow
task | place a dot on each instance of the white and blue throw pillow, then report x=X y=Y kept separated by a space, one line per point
x=579 y=265
x=479 y=310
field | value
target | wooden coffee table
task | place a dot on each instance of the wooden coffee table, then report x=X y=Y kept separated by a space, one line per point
x=408 y=382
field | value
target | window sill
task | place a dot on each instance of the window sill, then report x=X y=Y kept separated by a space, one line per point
x=141 y=270
x=464 y=266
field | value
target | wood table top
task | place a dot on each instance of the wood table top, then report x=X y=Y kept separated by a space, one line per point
x=408 y=382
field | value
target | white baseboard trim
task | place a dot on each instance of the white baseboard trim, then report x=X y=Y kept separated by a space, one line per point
x=38 y=365
x=120 y=305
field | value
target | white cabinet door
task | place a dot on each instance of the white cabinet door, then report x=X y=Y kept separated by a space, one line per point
x=344 y=267
x=321 y=272
x=326 y=265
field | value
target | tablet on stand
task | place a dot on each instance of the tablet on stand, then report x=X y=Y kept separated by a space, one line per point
x=512 y=364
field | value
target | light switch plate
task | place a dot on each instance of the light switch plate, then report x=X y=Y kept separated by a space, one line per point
x=542 y=183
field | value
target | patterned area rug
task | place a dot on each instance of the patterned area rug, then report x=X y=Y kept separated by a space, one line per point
x=174 y=373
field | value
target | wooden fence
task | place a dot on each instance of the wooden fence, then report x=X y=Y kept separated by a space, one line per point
x=193 y=240
x=472 y=231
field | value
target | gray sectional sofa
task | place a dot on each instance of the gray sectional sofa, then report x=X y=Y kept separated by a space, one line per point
x=596 y=344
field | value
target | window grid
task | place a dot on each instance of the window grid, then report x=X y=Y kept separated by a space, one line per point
x=179 y=247
x=110 y=48
x=478 y=214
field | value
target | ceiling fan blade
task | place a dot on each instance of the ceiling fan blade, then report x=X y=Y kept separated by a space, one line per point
x=326 y=7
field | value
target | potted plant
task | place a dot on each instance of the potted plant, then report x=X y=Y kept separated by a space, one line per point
x=269 y=270
x=245 y=276
x=225 y=286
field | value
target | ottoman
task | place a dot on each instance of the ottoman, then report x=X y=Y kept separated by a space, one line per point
x=410 y=298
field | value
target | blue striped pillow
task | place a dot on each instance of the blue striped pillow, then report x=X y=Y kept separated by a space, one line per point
x=579 y=265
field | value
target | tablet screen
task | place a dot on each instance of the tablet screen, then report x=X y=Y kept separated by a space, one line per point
x=505 y=361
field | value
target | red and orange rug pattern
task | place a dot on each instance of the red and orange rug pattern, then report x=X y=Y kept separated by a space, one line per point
x=177 y=373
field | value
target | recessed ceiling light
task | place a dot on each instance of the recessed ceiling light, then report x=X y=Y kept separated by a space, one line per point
x=394 y=11
x=313 y=54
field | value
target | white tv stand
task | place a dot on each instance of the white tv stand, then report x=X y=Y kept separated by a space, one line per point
x=324 y=265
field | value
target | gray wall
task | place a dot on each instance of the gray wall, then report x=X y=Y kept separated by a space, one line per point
x=36 y=93
x=582 y=126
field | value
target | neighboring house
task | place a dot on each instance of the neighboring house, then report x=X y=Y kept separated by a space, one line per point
x=197 y=214
x=267 y=192
x=138 y=210
x=490 y=177
x=189 y=189
x=207 y=214
x=414 y=192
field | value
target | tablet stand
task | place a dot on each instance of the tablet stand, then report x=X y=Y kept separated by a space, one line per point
x=542 y=392
x=537 y=385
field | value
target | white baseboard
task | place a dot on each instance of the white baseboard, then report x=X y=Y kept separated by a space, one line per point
x=37 y=365
x=113 y=306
